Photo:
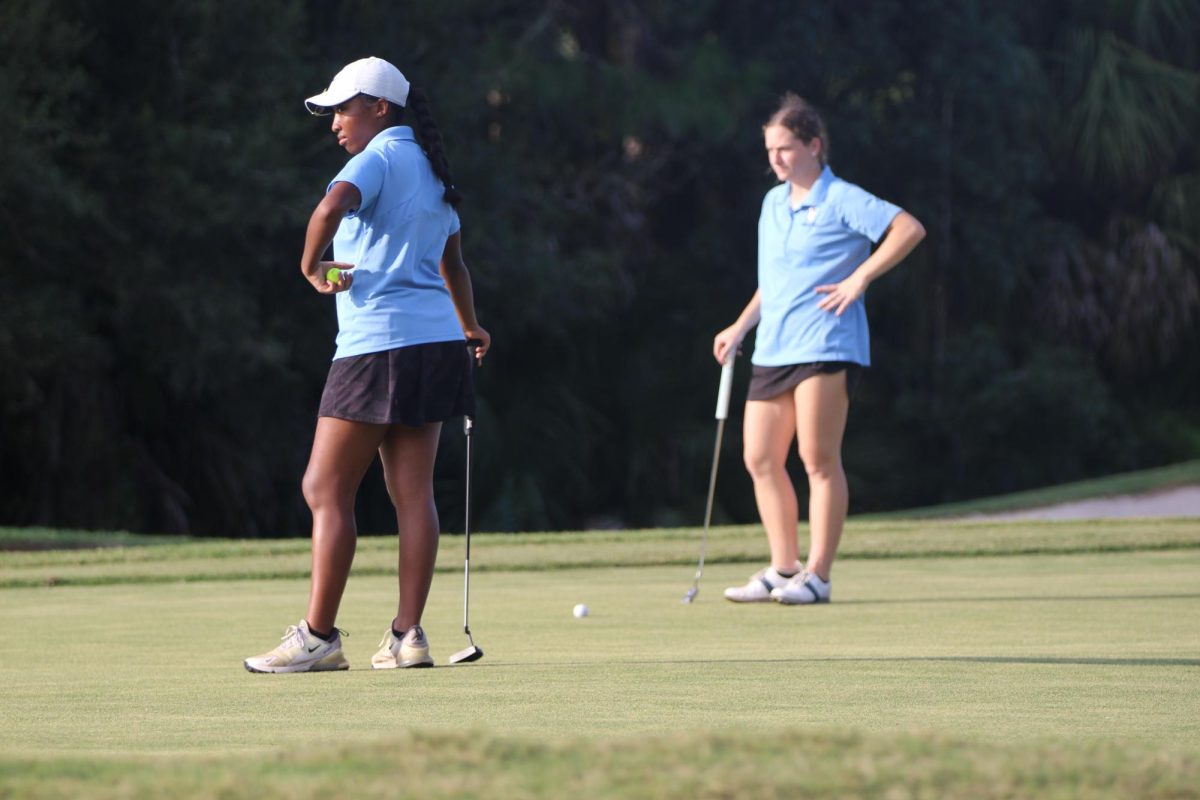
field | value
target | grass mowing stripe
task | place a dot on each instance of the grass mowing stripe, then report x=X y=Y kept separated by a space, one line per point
x=288 y=559
x=795 y=763
x=911 y=534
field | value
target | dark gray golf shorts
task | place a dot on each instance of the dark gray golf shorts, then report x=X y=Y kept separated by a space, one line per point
x=408 y=386
x=768 y=382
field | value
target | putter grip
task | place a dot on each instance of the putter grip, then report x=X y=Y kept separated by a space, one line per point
x=726 y=385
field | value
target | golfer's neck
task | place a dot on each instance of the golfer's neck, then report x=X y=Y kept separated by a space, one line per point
x=802 y=185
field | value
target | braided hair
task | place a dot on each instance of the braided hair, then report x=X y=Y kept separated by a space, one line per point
x=430 y=138
x=431 y=143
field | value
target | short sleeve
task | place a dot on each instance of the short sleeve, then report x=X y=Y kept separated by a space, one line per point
x=366 y=171
x=455 y=222
x=865 y=213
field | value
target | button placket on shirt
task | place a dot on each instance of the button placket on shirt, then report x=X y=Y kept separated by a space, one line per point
x=797 y=234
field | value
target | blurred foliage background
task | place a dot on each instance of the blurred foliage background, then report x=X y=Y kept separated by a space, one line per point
x=161 y=358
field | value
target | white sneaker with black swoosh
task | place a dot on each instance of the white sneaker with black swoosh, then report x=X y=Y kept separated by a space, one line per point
x=300 y=651
x=410 y=650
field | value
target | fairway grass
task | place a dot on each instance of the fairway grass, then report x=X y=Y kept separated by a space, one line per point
x=128 y=562
x=1066 y=666
x=478 y=764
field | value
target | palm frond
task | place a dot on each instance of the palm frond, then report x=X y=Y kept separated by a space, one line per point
x=1133 y=296
x=1166 y=29
x=1128 y=112
x=1174 y=201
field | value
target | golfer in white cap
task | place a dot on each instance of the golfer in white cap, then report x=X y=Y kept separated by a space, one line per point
x=402 y=367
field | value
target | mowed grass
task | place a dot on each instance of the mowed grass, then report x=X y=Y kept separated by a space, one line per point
x=959 y=660
x=122 y=559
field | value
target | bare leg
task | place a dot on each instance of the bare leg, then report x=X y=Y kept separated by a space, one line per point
x=767 y=432
x=408 y=456
x=822 y=405
x=341 y=453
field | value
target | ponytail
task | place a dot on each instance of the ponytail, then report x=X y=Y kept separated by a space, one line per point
x=431 y=143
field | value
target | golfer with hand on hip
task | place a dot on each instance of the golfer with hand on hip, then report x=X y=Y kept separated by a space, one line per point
x=405 y=311
x=815 y=262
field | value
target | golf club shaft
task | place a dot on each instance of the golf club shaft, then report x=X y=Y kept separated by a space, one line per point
x=468 y=428
x=712 y=488
x=722 y=413
x=471 y=653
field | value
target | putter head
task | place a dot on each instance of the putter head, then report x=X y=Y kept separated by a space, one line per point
x=467 y=655
x=691 y=594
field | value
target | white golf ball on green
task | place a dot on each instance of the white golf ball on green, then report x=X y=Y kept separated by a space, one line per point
x=580 y=610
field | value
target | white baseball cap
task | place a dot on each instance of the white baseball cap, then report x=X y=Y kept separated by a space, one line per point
x=372 y=76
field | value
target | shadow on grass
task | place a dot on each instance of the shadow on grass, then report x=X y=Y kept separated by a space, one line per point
x=1076 y=661
x=1024 y=599
x=1030 y=660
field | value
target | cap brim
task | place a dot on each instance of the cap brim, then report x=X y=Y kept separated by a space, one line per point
x=324 y=103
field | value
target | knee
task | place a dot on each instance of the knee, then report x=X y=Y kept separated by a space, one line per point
x=411 y=494
x=319 y=490
x=760 y=464
x=821 y=463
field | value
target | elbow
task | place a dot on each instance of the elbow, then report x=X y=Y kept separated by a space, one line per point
x=453 y=269
x=326 y=213
x=916 y=229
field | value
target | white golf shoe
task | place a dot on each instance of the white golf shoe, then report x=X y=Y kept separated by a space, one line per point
x=411 y=650
x=760 y=586
x=300 y=651
x=804 y=589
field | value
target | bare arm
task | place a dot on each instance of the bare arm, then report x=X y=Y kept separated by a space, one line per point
x=730 y=338
x=458 y=281
x=322 y=226
x=898 y=241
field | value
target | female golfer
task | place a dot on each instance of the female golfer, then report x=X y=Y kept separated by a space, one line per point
x=402 y=365
x=815 y=233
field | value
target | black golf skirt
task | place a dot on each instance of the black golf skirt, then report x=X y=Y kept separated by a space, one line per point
x=412 y=385
x=768 y=382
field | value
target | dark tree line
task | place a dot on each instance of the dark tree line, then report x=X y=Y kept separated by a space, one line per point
x=161 y=359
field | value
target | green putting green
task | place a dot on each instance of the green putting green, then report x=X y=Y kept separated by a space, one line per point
x=1061 y=644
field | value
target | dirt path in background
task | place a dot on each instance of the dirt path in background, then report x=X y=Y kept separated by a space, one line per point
x=1182 y=501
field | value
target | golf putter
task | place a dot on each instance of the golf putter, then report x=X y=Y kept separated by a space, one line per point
x=471 y=652
x=722 y=413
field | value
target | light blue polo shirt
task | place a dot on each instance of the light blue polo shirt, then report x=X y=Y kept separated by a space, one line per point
x=821 y=242
x=395 y=239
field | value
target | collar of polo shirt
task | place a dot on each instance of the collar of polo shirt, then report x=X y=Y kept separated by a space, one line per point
x=816 y=194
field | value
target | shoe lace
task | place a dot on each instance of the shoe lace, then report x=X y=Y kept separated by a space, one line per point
x=293 y=634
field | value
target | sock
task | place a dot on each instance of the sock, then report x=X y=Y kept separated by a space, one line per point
x=324 y=637
x=398 y=634
x=790 y=574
